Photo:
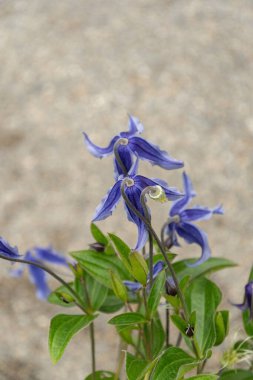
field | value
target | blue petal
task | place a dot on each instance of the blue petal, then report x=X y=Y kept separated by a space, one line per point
x=50 y=255
x=157 y=268
x=132 y=286
x=126 y=158
x=189 y=194
x=171 y=192
x=7 y=250
x=199 y=213
x=108 y=203
x=153 y=154
x=98 y=151
x=133 y=194
x=249 y=297
x=192 y=234
x=38 y=278
x=134 y=127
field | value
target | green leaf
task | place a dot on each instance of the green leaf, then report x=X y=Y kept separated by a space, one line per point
x=99 y=266
x=170 y=363
x=134 y=366
x=251 y=274
x=118 y=287
x=111 y=303
x=203 y=296
x=236 y=374
x=92 y=293
x=62 y=328
x=221 y=326
x=179 y=322
x=139 y=268
x=122 y=249
x=98 y=234
x=58 y=297
x=213 y=264
x=204 y=377
x=127 y=319
x=155 y=294
x=101 y=375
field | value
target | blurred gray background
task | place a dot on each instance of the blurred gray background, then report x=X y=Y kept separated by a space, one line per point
x=185 y=69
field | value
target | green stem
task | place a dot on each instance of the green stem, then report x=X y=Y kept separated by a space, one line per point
x=167 y=314
x=122 y=349
x=152 y=231
x=93 y=356
x=49 y=271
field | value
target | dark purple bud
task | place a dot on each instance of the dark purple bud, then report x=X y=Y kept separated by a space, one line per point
x=171 y=287
x=189 y=331
x=98 y=247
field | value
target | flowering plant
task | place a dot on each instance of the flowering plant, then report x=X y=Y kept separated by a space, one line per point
x=148 y=286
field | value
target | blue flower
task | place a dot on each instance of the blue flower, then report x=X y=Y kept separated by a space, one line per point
x=7 y=250
x=248 y=299
x=37 y=275
x=129 y=145
x=180 y=218
x=134 y=286
x=134 y=186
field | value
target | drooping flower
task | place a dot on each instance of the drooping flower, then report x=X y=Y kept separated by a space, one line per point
x=134 y=186
x=7 y=250
x=180 y=219
x=129 y=144
x=248 y=299
x=37 y=275
x=134 y=286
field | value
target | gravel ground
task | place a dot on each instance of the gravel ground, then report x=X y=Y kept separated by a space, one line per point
x=185 y=69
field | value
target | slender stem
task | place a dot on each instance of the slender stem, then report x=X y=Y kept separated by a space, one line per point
x=167 y=321
x=150 y=238
x=53 y=274
x=119 y=142
x=179 y=340
x=150 y=228
x=93 y=356
x=121 y=358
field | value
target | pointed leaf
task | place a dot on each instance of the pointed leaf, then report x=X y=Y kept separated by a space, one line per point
x=213 y=264
x=98 y=234
x=134 y=366
x=99 y=266
x=127 y=319
x=204 y=377
x=122 y=249
x=101 y=375
x=58 y=296
x=155 y=294
x=221 y=326
x=170 y=363
x=203 y=297
x=236 y=374
x=62 y=328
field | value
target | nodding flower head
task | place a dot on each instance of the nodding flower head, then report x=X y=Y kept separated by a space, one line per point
x=133 y=186
x=248 y=299
x=181 y=218
x=8 y=251
x=129 y=144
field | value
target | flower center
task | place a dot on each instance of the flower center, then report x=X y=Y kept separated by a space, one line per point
x=157 y=193
x=129 y=182
x=122 y=141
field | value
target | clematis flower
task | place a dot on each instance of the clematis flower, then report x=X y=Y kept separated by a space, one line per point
x=248 y=299
x=134 y=186
x=181 y=218
x=134 y=286
x=129 y=144
x=37 y=275
x=7 y=250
